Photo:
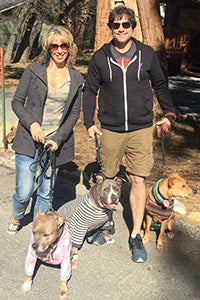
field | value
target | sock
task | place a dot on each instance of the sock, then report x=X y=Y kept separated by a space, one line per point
x=133 y=235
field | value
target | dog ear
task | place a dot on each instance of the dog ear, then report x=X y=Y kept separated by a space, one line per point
x=170 y=182
x=172 y=179
x=176 y=175
x=119 y=180
x=100 y=177
x=40 y=214
x=60 y=220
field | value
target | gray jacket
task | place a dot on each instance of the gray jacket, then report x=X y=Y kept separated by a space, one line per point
x=28 y=105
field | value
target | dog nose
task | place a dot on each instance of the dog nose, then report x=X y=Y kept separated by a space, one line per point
x=114 y=198
x=34 y=246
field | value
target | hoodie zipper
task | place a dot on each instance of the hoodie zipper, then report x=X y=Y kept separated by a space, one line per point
x=124 y=85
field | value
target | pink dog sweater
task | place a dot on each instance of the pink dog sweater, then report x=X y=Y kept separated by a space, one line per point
x=59 y=255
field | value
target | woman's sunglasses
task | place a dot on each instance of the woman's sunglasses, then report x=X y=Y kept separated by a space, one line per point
x=54 y=47
x=125 y=25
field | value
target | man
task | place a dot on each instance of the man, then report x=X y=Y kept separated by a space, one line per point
x=123 y=73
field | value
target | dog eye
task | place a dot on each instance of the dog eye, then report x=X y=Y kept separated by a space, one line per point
x=46 y=234
x=183 y=185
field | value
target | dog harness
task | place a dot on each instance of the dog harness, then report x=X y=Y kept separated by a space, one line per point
x=159 y=208
x=60 y=254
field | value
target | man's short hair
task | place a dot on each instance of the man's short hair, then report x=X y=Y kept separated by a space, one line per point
x=120 y=11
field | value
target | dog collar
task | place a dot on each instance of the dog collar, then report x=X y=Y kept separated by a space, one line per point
x=158 y=197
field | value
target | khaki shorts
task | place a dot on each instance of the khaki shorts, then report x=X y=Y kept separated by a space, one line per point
x=134 y=148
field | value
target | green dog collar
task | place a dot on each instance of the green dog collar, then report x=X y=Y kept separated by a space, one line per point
x=158 y=197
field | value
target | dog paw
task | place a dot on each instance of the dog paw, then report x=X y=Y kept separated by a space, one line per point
x=63 y=292
x=159 y=246
x=74 y=261
x=26 y=286
x=110 y=241
x=145 y=239
x=74 y=265
x=63 y=295
x=142 y=233
x=170 y=235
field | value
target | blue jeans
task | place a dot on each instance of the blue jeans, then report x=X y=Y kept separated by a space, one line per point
x=26 y=168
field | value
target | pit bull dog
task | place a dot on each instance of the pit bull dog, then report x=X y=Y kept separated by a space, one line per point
x=50 y=242
x=92 y=211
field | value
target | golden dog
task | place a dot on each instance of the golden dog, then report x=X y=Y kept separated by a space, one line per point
x=161 y=205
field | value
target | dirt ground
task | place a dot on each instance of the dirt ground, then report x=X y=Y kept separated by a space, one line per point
x=181 y=153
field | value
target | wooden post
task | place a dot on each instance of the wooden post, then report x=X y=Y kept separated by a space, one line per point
x=3 y=96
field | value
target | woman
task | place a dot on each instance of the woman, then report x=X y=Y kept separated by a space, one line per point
x=47 y=104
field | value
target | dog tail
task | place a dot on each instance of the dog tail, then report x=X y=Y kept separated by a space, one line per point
x=179 y=207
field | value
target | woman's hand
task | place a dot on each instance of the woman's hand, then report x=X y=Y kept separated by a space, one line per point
x=37 y=132
x=53 y=146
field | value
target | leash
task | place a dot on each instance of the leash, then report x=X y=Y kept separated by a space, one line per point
x=98 y=152
x=163 y=146
x=46 y=159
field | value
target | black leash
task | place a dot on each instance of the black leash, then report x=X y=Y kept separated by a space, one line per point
x=163 y=147
x=46 y=159
x=98 y=152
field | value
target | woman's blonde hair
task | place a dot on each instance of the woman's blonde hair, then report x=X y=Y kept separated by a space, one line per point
x=65 y=37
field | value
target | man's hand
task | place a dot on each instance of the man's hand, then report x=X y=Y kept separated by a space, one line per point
x=165 y=125
x=37 y=132
x=92 y=130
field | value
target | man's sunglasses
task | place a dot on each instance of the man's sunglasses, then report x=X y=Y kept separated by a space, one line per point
x=54 y=47
x=125 y=25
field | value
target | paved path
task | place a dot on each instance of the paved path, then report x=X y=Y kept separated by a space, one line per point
x=10 y=116
x=185 y=92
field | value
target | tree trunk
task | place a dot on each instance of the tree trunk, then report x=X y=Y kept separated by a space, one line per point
x=103 y=34
x=80 y=20
x=13 y=43
x=151 y=24
x=23 y=51
x=30 y=46
x=152 y=30
x=153 y=36
x=35 y=48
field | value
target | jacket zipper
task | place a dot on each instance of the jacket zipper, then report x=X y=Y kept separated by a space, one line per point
x=124 y=86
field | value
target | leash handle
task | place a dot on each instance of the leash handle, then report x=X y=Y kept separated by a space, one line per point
x=98 y=152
